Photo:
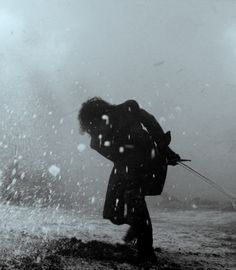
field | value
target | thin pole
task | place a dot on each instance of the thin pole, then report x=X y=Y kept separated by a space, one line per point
x=209 y=181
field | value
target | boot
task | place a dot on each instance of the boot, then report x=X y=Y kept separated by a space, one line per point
x=130 y=235
x=147 y=255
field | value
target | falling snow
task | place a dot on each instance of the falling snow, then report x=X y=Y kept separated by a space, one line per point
x=107 y=143
x=121 y=149
x=93 y=200
x=54 y=170
x=106 y=118
x=81 y=147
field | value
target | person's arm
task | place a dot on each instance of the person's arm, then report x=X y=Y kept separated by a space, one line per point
x=161 y=138
x=148 y=120
x=151 y=124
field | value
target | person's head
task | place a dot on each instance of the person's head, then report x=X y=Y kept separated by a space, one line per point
x=92 y=115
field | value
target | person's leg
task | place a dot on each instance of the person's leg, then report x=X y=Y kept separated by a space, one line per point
x=141 y=226
x=130 y=236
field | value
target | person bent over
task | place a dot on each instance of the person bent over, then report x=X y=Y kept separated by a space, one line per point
x=135 y=142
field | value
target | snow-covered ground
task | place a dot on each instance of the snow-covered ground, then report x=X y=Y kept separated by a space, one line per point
x=207 y=237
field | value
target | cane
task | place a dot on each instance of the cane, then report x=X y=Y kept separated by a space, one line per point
x=209 y=181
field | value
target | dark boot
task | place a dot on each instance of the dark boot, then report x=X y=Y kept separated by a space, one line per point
x=147 y=256
x=130 y=236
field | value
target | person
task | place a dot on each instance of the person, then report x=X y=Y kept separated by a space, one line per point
x=135 y=142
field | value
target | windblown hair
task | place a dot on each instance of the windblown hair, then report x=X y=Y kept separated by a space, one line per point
x=91 y=111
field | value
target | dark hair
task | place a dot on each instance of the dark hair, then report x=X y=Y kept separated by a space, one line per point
x=91 y=111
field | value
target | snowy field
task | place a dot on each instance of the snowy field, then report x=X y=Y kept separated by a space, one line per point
x=185 y=239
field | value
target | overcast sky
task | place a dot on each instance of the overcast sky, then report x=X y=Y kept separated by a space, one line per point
x=177 y=58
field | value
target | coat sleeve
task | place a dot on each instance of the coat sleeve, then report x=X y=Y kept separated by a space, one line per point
x=158 y=134
x=151 y=124
x=147 y=120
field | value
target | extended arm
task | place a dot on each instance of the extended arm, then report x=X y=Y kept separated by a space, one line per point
x=159 y=136
x=153 y=127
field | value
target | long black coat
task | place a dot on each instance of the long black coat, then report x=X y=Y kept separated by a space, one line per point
x=135 y=143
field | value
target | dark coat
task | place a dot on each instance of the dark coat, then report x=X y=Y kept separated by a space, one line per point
x=136 y=144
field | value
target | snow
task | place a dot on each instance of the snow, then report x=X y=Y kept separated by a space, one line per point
x=153 y=154
x=100 y=139
x=54 y=170
x=121 y=149
x=22 y=176
x=13 y=181
x=13 y=172
x=117 y=202
x=81 y=147
x=23 y=228
x=106 y=118
x=1 y=173
x=107 y=143
x=93 y=200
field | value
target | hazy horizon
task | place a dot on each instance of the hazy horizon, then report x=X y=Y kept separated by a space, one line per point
x=176 y=58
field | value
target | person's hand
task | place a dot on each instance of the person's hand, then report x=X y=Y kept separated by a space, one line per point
x=172 y=158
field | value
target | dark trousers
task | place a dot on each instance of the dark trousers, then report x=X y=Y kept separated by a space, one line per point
x=139 y=219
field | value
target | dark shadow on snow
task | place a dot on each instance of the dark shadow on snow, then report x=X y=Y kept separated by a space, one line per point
x=69 y=253
x=95 y=250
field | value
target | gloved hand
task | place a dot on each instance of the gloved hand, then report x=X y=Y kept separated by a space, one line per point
x=172 y=157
